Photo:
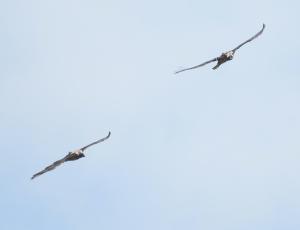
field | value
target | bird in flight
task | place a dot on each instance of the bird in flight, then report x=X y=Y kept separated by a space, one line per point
x=71 y=156
x=227 y=56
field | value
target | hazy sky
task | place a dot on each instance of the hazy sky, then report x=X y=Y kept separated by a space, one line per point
x=211 y=150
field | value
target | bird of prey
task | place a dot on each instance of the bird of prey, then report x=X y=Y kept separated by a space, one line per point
x=71 y=156
x=227 y=56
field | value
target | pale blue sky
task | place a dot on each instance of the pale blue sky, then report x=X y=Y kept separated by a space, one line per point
x=211 y=150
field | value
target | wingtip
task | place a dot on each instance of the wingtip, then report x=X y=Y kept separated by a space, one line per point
x=179 y=71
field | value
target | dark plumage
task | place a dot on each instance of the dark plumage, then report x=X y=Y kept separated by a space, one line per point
x=71 y=156
x=227 y=56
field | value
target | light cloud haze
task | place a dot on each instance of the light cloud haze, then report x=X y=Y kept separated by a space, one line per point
x=204 y=149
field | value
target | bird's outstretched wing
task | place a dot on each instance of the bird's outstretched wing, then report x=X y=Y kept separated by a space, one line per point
x=250 y=39
x=194 y=67
x=50 y=167
x=96 y=142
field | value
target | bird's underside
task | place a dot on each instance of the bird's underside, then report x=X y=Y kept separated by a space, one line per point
x=71 y=156
x=224 y=57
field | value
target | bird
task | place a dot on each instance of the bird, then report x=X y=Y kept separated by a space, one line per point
x=227 y=56
x=71 y=156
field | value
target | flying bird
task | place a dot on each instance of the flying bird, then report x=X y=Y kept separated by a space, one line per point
x=71 y=156
x=227 y=56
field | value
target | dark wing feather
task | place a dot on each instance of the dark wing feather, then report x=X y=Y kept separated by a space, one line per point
x=96 y=142
x=250 y=39
x=194 y=67
x=50 y=167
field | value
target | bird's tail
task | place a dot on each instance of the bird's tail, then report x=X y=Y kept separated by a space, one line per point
x=216 y=66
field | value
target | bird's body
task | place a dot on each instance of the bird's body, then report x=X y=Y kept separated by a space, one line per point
x=224 y=57
x=75 y=155
x=71 y=156
x=228 y=56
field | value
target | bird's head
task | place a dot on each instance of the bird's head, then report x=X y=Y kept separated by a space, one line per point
x=230 y=55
